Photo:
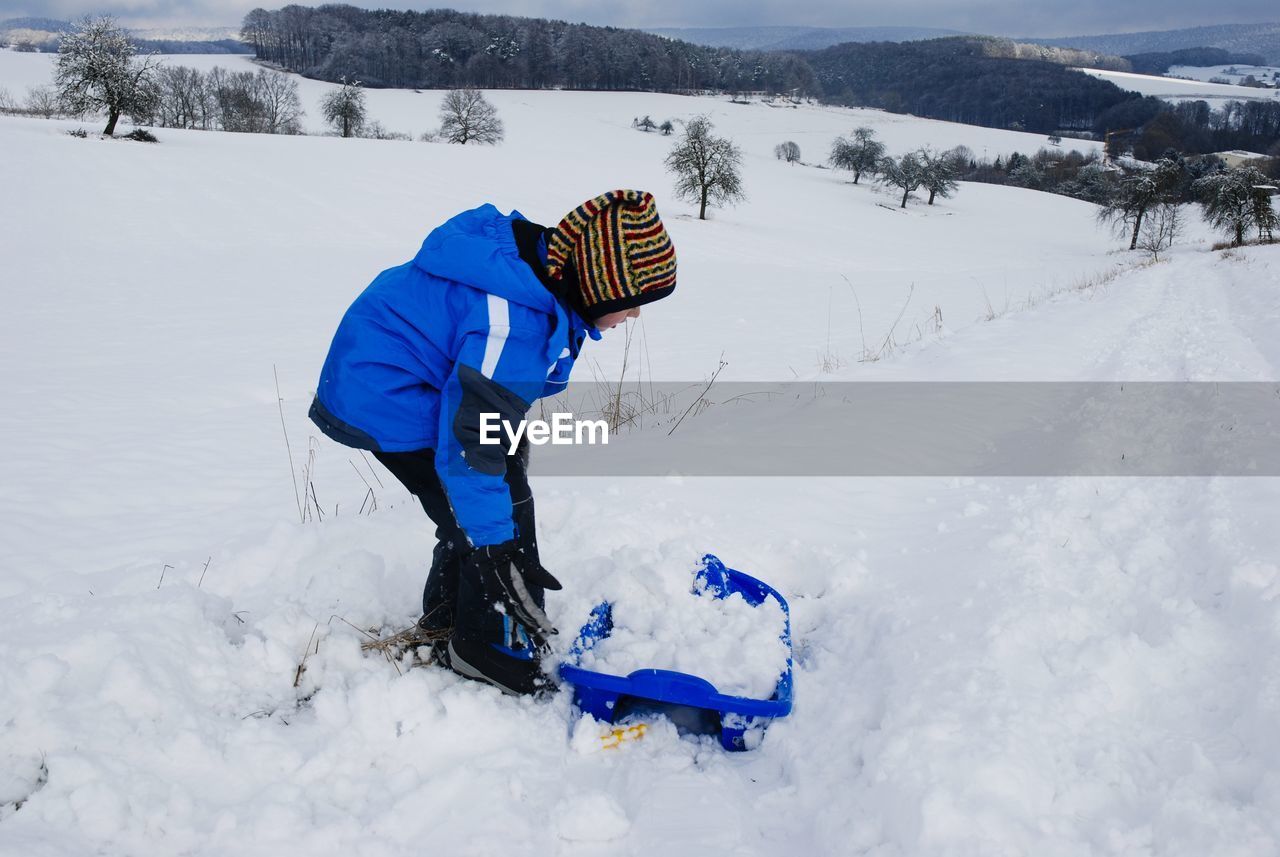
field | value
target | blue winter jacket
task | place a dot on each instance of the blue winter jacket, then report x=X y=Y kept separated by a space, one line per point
x=465 y=328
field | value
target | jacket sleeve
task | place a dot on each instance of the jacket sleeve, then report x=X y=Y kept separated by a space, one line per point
x=498 y=373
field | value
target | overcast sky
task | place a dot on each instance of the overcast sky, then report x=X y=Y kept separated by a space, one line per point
x=1043 y=18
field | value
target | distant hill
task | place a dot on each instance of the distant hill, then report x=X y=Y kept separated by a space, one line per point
x=975 y=80
x=39 y=33
x=47 y=25
x=43 y=33
x=796 y=38
x=1262 y=39
x=187 y=34
x=1161 y=61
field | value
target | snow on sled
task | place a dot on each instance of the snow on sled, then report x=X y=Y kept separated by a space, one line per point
x=692 y=701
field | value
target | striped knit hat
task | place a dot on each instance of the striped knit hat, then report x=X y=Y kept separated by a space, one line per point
x=622 y=253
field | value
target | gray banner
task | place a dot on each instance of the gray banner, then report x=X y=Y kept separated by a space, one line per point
x=920 y=429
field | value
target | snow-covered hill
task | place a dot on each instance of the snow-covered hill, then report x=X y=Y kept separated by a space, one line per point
x=984 y=666
x=1234 y=73
x=1251 y=38
x=1177 y=89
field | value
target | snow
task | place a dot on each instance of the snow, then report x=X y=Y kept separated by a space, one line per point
x=983 y=666
x=1176 y=89
x=660 y=623
x=1233 y=73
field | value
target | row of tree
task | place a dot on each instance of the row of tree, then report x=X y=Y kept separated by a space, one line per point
x=1151 y=126
x=957 y=80
x=440 y=48
x=645 y=123
x=466 y=116
x=862 y=154
x=220 y=100
x=1159 y=62
x=1236 y=200
x=99 y=70
x=1141 y=203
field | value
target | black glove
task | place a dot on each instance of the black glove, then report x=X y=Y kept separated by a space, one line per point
x=506 y=573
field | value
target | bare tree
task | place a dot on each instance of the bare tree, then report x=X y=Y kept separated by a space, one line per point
x=281 y=107
x=961 y=157
x=666 y=128
x=645 y=123
x=344 y=108
x=860 y=153
x=1135 y=195
x=185 y=100
x=788 y=151
x=43 y=101
x=906 y=173
x=467 y=117
x=7 y=104
x=938 y=173
x=237 y=107
x=98 y=70
x=707 y=168
x=1160 y=228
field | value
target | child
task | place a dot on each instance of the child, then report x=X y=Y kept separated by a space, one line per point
x=489 y=316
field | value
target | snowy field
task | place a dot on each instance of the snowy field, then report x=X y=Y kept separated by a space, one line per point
x=983 y=666
x=1234 y=73
x=1175 y=89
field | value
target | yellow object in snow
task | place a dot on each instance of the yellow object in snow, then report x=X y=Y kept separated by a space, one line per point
x=616 y=737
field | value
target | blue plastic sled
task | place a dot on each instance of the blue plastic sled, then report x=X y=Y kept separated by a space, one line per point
x=741 y=720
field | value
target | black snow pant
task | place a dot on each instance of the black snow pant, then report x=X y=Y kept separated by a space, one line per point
x=417 y=471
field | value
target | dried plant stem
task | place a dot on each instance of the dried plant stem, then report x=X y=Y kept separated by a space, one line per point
x=293 y=475
x=302 y=665
x=714 y=375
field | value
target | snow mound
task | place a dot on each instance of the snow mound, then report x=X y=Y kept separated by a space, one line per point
x=591 y=818
x=660 y=623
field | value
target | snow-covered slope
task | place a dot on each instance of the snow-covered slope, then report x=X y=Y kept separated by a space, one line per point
x=984 y=666
x=1177 y=89
x=1233 y=73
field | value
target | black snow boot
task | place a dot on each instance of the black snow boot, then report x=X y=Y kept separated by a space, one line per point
x=489 y=646
x=440 y=595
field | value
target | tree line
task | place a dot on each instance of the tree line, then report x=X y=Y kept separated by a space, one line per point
x=954 y=79
x=219 y=100
x=445 y=49
x=99 y=70
x=975 y=80
x=1159 y=62
x=1142 y=202
x=1154 y=126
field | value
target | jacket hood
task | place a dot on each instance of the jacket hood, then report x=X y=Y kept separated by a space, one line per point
x=478 y=248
